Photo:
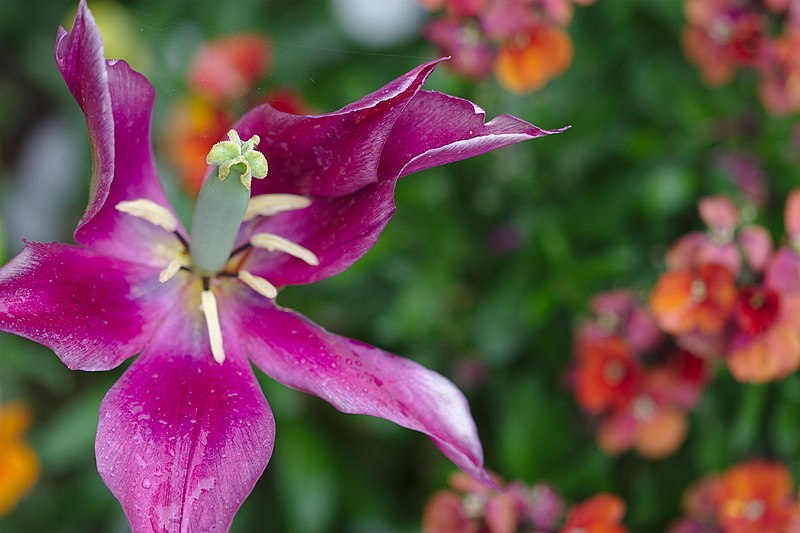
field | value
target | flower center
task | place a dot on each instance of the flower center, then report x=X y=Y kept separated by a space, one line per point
x=698 y=291
x=643 y=408
x=753 y=510
x=223 y=204
x=614 y=372
x=757 y=309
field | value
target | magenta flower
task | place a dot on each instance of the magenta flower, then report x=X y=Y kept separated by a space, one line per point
x=186 y=432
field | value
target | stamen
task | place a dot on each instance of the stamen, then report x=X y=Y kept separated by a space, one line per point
x=258 y=284
x=150 y=211
x=275 y=243
x=209 y=305
x=271 y=204
x=171 y=269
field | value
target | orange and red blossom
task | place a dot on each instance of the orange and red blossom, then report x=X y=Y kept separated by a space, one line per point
x=702 y=299
x=751 y=497
x=599 y=514
x=766 y=345
x=754 y=497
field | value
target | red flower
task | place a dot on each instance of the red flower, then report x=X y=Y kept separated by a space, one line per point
x=607 y=375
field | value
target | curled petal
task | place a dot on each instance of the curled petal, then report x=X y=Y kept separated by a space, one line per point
x=117 y=103
x=360 y=379
x=182 y=440
x=92 y=311
x=436 y=129
x=333 y=154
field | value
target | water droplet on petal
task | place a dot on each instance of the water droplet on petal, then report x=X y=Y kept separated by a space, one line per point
x=146 y=483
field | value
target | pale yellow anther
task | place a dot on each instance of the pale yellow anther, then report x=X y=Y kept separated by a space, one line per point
x=258 y=284
x=150 y=211
x=170 y=270
x=208 y=303
x=275 y=243
x=226 y=154
x=266 y=205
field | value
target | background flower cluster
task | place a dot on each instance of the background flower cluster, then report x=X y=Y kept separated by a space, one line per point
x=727 y=298
x=524 y=42
x=723 y=36
x=672 y=403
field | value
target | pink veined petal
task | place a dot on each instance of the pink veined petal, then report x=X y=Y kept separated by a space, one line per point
x=117 y=103
x=433 y=130
x=92 y=311
x=182 y=440
x=360 y=379
x=333 y=154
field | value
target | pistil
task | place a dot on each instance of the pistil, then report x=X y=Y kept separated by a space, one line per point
x=223 y=201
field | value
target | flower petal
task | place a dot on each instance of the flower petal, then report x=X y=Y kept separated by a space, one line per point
x=117 y=103
x=333 y=154
x=92 y=310
x=337 y=230
x=182 y=440
x=360 y=379
x=434 y=129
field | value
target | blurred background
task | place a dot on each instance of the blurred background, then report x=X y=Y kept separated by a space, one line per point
x=483 y=274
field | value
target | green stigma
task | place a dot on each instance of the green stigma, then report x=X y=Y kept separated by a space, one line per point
x=226 y=154
x=222 y=202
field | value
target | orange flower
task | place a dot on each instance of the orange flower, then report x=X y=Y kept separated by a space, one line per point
x=661 y=433
x=755 y=497
x=607 y=375
x=530 y=60
x=19 y=466
x=599 y=514
x=702 y=299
